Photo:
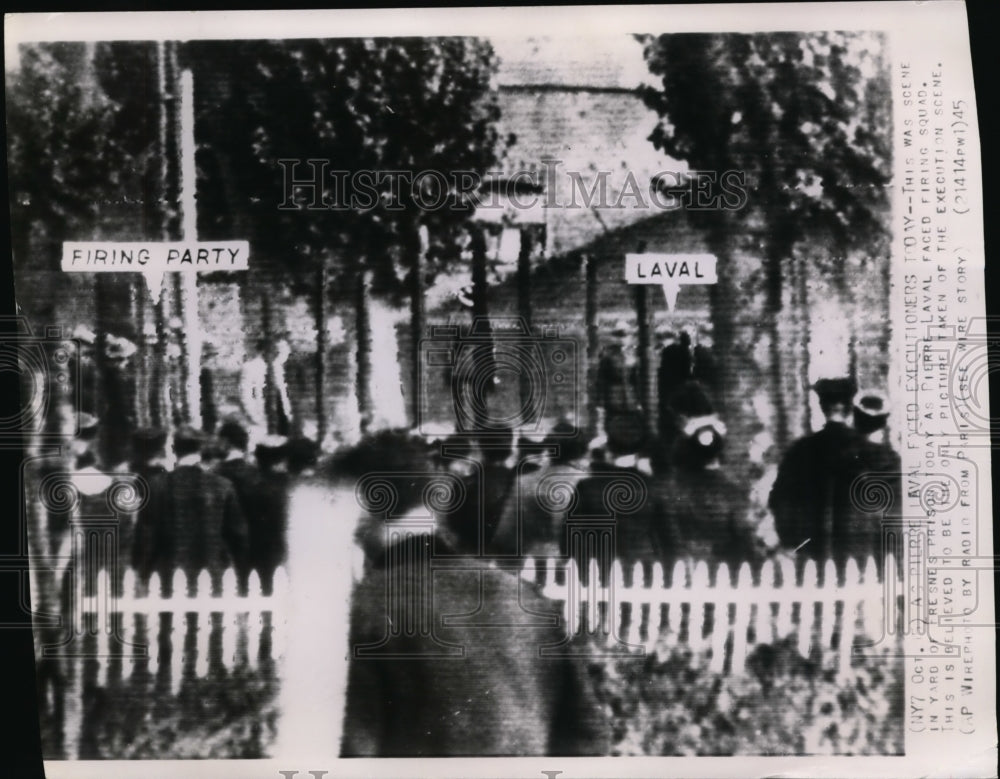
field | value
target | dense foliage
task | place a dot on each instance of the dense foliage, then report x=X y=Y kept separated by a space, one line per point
x=670 y=703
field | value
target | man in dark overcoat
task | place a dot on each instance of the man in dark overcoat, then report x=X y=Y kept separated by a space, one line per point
x=811 y=497
x=447 y=662
x=192 y=520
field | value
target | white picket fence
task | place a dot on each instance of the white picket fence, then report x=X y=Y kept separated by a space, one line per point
x=728 y=619
x=115 y=620
x=127 y=631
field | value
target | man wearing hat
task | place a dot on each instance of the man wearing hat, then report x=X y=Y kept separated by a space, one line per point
x=624 y=490
x=708 y=509
x=527 y=514
x=268 y=524
x=811 y=497
x=192 y=520
x=149 y=452
x=618 y=388
x=882 y=463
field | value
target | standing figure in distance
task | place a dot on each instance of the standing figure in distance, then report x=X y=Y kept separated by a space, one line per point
x=702 y=502
x=811 y=496
x=877 y=461
x=192 y=521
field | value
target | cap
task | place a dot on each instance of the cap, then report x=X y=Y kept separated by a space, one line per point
x=626 y=432
x=271 y=450
x=872 y=404
x=148 y=440
x=86 y=426
x=302 y=453
x=187 y=440
x=697 y=427
x=871 y=411
x=213 y=449
x=839 y=390
x=234 y=433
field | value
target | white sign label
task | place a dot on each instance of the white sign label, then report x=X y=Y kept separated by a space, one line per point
x=153 y=259
x=670 y=271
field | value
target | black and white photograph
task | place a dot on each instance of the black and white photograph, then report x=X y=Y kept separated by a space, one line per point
x=502 y=387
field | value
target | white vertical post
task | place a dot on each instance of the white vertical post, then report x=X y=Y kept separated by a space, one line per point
x=105 y=622
x=872 y=607
x=178 y=630
x=852 y=586
x=230 y=618
x=314 y=672
x=127 y=621
x=279 y=600
x=204 y=623
x=789 y=587
x=720 y=629
x=828 y=615
x=255 y=628
x=745 y=602
x=618 y=597
x=696 y=619
x=767 y=627
x=189 y=232
x=810 y=584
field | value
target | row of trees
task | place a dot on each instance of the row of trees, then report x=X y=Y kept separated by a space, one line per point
x=101 y=160
x=93 y=153
x=807 y=119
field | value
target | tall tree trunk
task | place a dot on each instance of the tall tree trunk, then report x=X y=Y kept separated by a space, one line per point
x=322 y=347
x=805 y=340
x=101 y=321
x=363 y=332
x=773 y=279
x=484 y=360
x=270 y=387
x=138 y=295
x=737 y=377
x=593 y=341
x=527 y=235
x=642 y=318
x=418 y=258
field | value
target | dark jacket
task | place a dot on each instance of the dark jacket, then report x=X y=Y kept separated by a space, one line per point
x=710 y=514
x=192 y=522
x=642 y=530
x=811 y=499
x=476 y=688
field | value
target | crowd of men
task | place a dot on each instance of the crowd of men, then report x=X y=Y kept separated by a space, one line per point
x=215 y=505
x=212 y=506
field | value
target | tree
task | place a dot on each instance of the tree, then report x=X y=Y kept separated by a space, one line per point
x=794 y=114
x=374 y=114
x=70 y=179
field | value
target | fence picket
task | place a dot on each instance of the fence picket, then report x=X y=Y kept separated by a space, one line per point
x=104 y=620
x=742 y=617
x=828 y=615
x=280 y=592
x=720 y=628
x=852 y=585
x=255 y=622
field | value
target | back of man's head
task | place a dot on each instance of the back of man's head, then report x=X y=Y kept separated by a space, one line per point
x=234 y=436
x=187 y=441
